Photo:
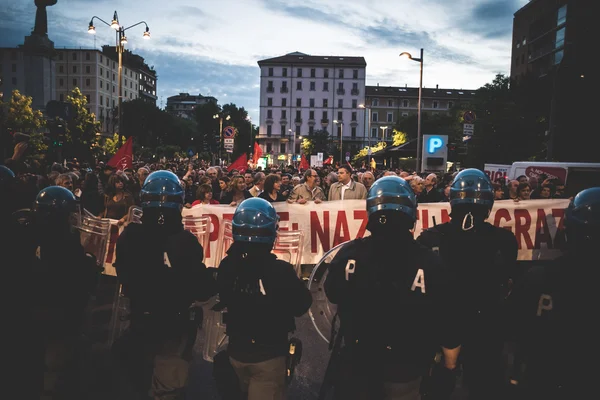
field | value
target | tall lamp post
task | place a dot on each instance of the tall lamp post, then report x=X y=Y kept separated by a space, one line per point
x=367 y=128
x=341 y=124
x=220 y=116
x=121 y=40
x=419 y=60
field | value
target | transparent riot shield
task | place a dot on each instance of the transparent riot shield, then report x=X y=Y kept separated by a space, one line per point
x=288 y=247
x=135 y=215
x=322 y=312
x=94 y=233
x=200 y=226
x=224 y=242
x=215 y=338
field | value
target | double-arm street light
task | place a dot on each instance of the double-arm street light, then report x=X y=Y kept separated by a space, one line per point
x=121 y=40
x=335 y=121
x=419 y=60
x=221 y=116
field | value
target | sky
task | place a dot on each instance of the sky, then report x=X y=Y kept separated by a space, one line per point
x=212 y=47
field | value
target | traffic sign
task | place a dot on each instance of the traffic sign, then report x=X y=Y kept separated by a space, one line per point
x=468 y=132
x=469 y=126
x=229 y=132
x=469 y=117
x=347 y=154
x=347 y=158
x=228 y=141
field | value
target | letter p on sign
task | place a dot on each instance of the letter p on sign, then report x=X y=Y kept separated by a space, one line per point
x=434 y=144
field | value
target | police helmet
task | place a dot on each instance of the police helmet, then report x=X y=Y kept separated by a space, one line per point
x=255 y=220
x=472 y=186
x=6 y=174
x=392 y=193
x=162 y=189
x=582 y=218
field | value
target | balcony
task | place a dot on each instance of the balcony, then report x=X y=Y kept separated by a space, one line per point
x=341 y=91
x=311 y=122
x=325 y=121
x=283 y=89
x=270 y=89
x=354 y=123
x=354 y=92
x=283 y=121
x=269 y=120
x=298 y=121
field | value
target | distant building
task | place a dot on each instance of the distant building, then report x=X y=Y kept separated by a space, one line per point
x=147 y=74
x=184 y=104
x=387 y=104
x=300 y=94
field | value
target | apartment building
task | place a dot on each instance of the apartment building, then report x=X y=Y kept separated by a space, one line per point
x=184 y=104
x=300 y=94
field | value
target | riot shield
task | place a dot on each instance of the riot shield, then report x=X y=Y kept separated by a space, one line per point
x=215 y=338
x=135 y=215
x=200 y=227
x=288 y=247
x=94 y=233
x=321 y=311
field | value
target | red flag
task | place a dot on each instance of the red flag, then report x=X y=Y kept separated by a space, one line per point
x=257 y=153
x=241 y=164
x=329 y=161
x=124 y=157
x=303 y=163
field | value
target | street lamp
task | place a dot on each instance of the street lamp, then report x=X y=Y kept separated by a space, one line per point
x=335 y=121
x=220 y=116
x=121 y=40
x=419 y=60
x=383 y=131
x=293 y=135
x=367 y=128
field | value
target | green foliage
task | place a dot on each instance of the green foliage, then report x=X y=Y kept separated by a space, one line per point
x=374 y=149
x=21 y=117
x=399 y=138
x=307 y=147
x=111 y=145
x=80 y=135
x=317 y=142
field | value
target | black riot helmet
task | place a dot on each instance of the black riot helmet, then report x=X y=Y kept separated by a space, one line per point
x=471 y=198
x=391 y=205
x=57 y=205
x=582 y=219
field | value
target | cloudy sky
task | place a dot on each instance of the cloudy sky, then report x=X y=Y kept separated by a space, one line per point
x=212 y=47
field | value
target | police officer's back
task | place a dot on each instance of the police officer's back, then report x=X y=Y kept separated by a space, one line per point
x=482 y=260
x=262 y=295
x=159 y=265
x=392 y=303
x=554 y=310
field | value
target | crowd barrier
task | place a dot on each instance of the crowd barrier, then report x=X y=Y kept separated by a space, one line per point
x=537 y=225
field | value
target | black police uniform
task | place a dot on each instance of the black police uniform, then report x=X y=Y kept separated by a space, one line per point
x=482 y=261
x=394 y=312
x=162 y=274
x=262 y=295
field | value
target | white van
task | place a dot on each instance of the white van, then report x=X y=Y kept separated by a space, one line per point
x=576 y=176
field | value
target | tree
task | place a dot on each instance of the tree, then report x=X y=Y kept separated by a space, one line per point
x=80 y=133
x=111 y=145
x=374 y=149
x=317 y=142
x=207 y=127
x=399 y=138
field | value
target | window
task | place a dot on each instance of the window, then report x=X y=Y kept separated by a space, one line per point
x=114 y=76
x=282 y=145
x=340 y=103
x=101 y=100
x=390 y=117
x=312 y=86
x=87 y=56
x=373 y=132
x=269 y=132
x=61 y=69
x=74 y=69
x=60 y=56
x=61 y=82
x=375 y=102
x=435 y=104
x=74 y=55
x=354 y=85
x=87 y=82
x=269 y=145
x=299 y=102
x=282 y=130
x=299 y=85
x=353 y=131
x=284 y=102
x=299 y=74
x=284 y=72
x=558 y=56
x=269 y=101
x=450 y=104
x=325 y=103
x=326 y=86
x=113 y=88
x=324 y=114
x=390 y=103
x=107 y=62
x=326 y=73
x=88 y=98
x=354 y=103
x=298 y=129
x=100 y=57
x=284 y=85
x=340 y=73
x=298 y=115
x=270 y=86
x=353 y=115
x=107 y=74
x=101 y=71
x=311 y=102
x=311 y=130
x=313 y=72
x=559 y=40
x=74 y=82
x=283 y=114
x=374 y=117
x=354 y=74
x=114 y=65
x=561 y=16
x=311 y=114
x=405 y=103
x=125 y=93
x=340 y=116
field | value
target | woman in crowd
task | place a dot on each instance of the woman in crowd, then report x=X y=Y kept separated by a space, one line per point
x=236 y=192
x=523 y=191
x=204 y=195
x=271 y=191
x=116 y=199
x=499 y=191
x=223 y=184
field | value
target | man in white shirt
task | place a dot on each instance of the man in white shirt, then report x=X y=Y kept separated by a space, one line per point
x=345 y=188
x=259 y=184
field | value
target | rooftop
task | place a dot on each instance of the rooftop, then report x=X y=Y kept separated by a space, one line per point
x=306 y=59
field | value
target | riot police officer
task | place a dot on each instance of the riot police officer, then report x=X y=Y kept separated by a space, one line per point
x=159 y=265
x=262 y=295
x=554 y=310
x=391 y=297
x=482 y=259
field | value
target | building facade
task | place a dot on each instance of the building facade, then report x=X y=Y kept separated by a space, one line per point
x=387 y=104
x=184 y=104
x=300 y=94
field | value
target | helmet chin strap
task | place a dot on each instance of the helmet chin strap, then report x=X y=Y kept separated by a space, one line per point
x=468 y=222
x=161 y=219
